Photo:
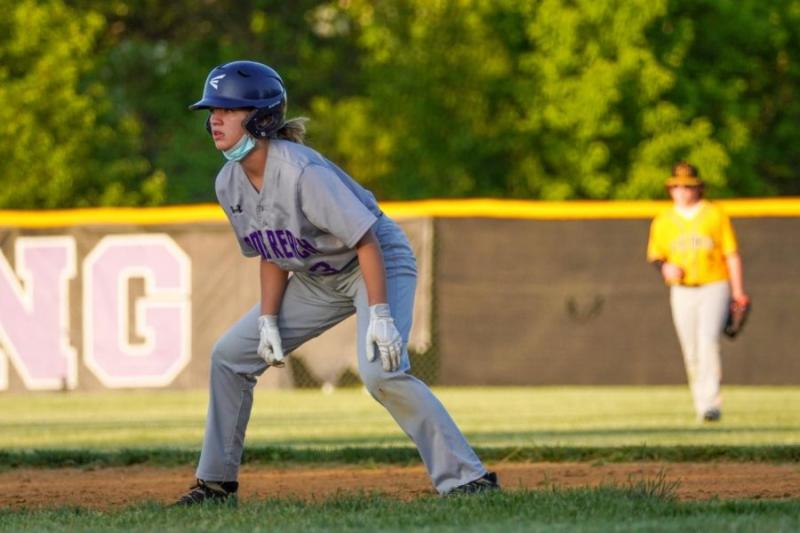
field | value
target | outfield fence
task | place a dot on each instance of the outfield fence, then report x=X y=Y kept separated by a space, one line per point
x=509 y=293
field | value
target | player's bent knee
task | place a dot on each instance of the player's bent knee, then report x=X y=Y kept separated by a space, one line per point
x=376 y=384
x=382 y=385
x=222 y=353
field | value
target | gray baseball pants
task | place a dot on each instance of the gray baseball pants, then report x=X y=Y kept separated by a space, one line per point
x=311 y=305
x=699 y=315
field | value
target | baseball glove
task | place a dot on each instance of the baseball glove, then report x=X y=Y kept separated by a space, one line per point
x=737 y=316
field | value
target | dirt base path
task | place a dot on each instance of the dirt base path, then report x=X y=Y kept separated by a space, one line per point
x=109 y=488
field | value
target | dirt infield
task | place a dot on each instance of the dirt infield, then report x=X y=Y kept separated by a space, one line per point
x=109 y=488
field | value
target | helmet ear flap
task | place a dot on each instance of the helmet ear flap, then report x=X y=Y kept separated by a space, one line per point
x=261 y=123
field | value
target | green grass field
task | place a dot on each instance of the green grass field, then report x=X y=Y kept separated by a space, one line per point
x=490 y=417
x=602 y=509
x=310 y=425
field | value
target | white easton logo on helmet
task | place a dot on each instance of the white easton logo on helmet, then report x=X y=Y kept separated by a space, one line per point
x=215 y=81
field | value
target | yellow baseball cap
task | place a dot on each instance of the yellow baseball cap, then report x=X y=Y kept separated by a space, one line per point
x=685 y=175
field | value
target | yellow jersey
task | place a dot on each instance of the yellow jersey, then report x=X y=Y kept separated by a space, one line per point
x=698 y=244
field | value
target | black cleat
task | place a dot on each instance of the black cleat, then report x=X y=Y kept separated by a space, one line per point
x=486 y=483
x=712 y=415
x=203 y=492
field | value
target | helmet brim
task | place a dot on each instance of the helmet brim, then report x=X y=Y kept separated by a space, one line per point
x=219 y=102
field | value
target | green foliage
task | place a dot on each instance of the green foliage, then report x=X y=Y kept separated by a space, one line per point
x=740 y=70
x=156 y=57
x=554 y=99
x=60 y=143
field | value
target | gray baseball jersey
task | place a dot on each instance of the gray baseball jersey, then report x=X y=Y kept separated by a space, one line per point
x=308 y=216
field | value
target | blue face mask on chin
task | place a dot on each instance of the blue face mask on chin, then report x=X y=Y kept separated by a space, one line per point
x=239 y=151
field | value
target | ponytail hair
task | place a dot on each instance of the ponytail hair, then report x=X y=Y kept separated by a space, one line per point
x=293 y=130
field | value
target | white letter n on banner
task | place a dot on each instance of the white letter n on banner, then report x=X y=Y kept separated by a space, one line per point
x=34 y=313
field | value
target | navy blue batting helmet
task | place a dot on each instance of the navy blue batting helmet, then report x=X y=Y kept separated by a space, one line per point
x=247 y=85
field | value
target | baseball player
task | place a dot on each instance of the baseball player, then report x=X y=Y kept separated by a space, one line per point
x=301 y=214
x=694 y=247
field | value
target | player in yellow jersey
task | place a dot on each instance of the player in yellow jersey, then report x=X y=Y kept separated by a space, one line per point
x=694 y=247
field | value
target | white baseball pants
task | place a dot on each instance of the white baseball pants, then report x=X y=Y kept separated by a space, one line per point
x=699 y=315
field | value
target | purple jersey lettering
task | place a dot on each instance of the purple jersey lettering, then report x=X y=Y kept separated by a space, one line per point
x=294 y=244
x=256 y=241
x=322 y=268
x=282 y=244
x=273 y=243
x=282 y=240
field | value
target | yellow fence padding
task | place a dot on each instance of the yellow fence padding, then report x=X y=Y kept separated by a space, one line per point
x=462 y=208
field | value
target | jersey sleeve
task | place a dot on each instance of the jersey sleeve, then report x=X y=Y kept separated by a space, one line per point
x=244 y=246
x=332 y=207
x=656 y=245
x=728 y=241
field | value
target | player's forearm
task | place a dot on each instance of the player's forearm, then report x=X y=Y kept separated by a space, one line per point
x=735 y=274
x=370 y=258
x=273 y=285
x=671 y=272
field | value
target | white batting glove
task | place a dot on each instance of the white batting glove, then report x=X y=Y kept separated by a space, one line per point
x=382 y=333
x=269 y=343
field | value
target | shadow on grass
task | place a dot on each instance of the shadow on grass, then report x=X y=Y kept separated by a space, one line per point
x=402 y=455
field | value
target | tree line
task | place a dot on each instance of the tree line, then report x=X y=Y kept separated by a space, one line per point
x=543 y=99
